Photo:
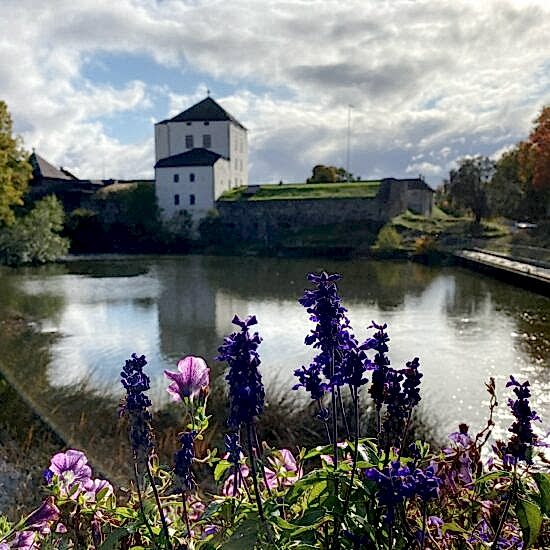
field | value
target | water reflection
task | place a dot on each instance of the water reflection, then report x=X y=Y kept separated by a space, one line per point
x=464 y=327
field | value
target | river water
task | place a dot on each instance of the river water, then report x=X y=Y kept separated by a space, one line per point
x=89 y=316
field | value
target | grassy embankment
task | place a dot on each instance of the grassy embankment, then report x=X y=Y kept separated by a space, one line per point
x=445 y=230
x=300 y=191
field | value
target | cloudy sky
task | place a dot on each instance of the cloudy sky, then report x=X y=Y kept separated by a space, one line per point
x=429 y=80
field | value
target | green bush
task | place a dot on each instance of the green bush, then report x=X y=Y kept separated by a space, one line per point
x=388 y=239
x=34 y=238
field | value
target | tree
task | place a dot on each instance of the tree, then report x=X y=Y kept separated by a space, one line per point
x=534 y=159
x=34 y=238
x=329 y=174
x=468 y=185
x=15 y=170
x=507 y=190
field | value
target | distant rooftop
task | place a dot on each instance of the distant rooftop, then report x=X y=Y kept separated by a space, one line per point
x=194 y=157
x=42 y=168
x=206 y=110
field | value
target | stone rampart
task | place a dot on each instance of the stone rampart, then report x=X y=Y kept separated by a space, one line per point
x=261 y=220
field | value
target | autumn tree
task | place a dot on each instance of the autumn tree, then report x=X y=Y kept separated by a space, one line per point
x=534 y=159
x=468 y=185
x=15 y=170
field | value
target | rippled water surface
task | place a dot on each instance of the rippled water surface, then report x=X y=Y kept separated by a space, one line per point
x=89 y=316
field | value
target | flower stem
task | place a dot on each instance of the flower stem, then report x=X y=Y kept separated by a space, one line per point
x=355 y=397
x=511 y=494
x=159 y=506
x=185 y=514
x=254 y=473
x=424 y=513
x=140 y=498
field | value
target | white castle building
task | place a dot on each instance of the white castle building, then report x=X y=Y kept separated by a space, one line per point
x=199 y=154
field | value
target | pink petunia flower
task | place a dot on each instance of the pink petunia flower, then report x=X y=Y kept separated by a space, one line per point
x=282 y=470
x=193 y=376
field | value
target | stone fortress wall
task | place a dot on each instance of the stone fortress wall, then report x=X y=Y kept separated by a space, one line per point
x=261 y=220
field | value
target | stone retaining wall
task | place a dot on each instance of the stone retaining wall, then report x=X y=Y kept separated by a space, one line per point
x=261 y=220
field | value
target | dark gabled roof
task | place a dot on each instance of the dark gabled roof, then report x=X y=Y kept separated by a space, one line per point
x=194 y=157
x=206 y=110
x=41 y=168
x=413 y=183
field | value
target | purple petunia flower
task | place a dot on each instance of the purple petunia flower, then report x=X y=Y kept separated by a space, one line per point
x=96 y=486
x=72 y=470
x=43 y=516
x=193 y=376
x=24 y=540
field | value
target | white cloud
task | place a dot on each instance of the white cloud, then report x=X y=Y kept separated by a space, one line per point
x=455 y=77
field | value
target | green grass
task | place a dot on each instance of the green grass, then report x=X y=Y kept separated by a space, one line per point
x=445 y=228
x=298 y=191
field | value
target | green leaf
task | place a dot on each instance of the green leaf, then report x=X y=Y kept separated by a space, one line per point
x=111 y=542
x=318 y=451
x=244 y=536
x=492 y=475
x=530 y=520
x=543 y=483
x=317 y=490
x=221 y=467
x=453 y=527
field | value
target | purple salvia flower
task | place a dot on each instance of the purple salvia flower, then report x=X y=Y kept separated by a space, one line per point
x=183 y=461
x=411 y=384
x=193 y=376
x=521 y=442
x=135 y=407
x=233 y=448
x=397 y=410
x=331 y=335
x=380 y=363
x=311 y=380
x=395 y=483
x=246 y=391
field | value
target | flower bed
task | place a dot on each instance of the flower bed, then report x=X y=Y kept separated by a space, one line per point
x=350 y=492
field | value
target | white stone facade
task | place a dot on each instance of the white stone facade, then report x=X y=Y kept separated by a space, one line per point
x=188 y=138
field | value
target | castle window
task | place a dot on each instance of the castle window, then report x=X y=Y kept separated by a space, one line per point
x=176 y=178
x=176 y=200
x=207 y=141
x=191 y=177
x=189 y=142
x=189 y=123
x=191 y=199
x=207 y=123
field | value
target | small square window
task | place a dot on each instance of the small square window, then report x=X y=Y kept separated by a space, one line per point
x=176 y=200
x=176 y=178
x=189 y=123
x=207 y=141
x=207 y=123
x=191 y=177
x=189 y=142
x=191 y=199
